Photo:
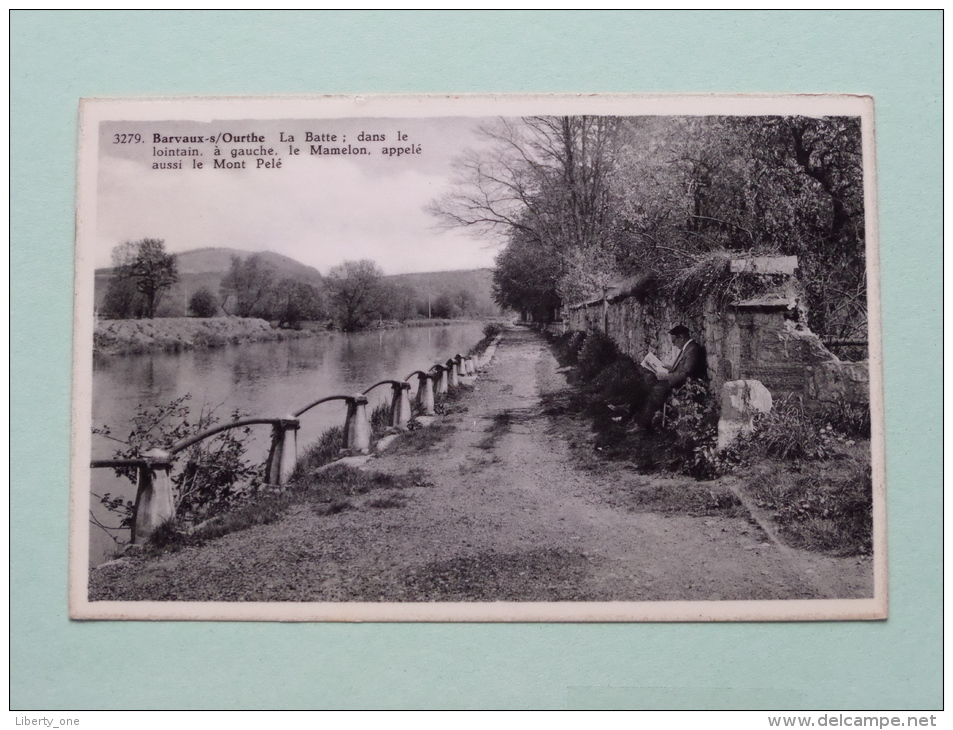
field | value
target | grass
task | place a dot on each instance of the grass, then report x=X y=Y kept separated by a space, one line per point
x=330 y=492
x=451 y=402
x=323 y=451
x=422 y=439
x=706 y=499
x=810 y=471
x=824 y=506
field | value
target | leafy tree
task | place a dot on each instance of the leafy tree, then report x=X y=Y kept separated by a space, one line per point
x=442 y=307
x=784 y=185
x=142 y=273
x=246 y=285
x=293 y=302
x=123 y=300
x=154 y=271
x=526 y=278
x=401 y=301
x=581 y=202
x=203 y=304
x=357 y=293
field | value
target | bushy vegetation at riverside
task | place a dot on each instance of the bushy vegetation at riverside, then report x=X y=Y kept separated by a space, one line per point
x=147 y=282
x=810 y=471
x=209 y=478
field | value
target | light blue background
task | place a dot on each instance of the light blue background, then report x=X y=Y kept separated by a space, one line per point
x=58 y=57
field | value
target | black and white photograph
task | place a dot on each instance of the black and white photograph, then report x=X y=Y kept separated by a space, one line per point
x=478 y=358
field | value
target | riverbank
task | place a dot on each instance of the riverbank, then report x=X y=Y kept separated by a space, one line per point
x=502 y=499
x=174 y=334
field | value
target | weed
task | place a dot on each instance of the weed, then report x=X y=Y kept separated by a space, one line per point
x=822 y=505
x=451 y=402
x=390 y=501
x=423 y=439
x=209 y=478
x=325 y=450
x=492 y=329
x=848 y=419
x=334 y=507
x=691 y=498
x=380 y=419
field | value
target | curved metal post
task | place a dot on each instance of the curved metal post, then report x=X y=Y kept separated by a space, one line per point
x=155 y=504
x=400 y=404
x=357 y=429
x=425 y=393
x=281 y=457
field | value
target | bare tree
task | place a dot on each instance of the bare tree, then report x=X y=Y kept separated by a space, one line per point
x=544 y=180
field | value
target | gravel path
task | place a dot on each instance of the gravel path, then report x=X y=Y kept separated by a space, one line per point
x=510 y=514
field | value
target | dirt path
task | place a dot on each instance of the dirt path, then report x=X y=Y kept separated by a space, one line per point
x=510 y=513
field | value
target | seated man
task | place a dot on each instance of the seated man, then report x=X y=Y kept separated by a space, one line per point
x=690 y=363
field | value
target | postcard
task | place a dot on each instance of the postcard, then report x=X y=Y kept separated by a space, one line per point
x=378 y=359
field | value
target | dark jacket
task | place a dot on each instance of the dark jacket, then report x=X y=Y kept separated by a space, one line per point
x=690 y=363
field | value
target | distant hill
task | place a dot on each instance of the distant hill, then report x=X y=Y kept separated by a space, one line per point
x=479 y=282
x=206 y=267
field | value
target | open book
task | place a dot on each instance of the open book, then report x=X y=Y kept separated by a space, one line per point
x=654 y=365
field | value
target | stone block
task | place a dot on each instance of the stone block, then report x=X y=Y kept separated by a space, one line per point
x=838 y=382
x=741 y=400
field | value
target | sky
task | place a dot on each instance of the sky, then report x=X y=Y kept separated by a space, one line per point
x=318 y=209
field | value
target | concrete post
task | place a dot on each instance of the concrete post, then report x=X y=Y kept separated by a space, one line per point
x=155 y=504
x=441 y=378
x=282 y=456
x=458 y=366
x=469 y=366
x=357 y=427
x=452 y=375
x=425 y=393
x=400 y=405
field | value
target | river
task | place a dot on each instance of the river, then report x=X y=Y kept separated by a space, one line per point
x=258 y=379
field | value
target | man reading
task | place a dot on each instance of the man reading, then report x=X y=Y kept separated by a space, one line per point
x=689 y=363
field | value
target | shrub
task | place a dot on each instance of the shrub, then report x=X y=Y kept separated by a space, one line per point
x=492 y=329
x=207 y=478
x=203 y=304
x=848 y=419
x=597 y=353
x=789 y=432
x=692 y=426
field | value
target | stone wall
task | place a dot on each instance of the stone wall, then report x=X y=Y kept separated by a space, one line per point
x=764 y=339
